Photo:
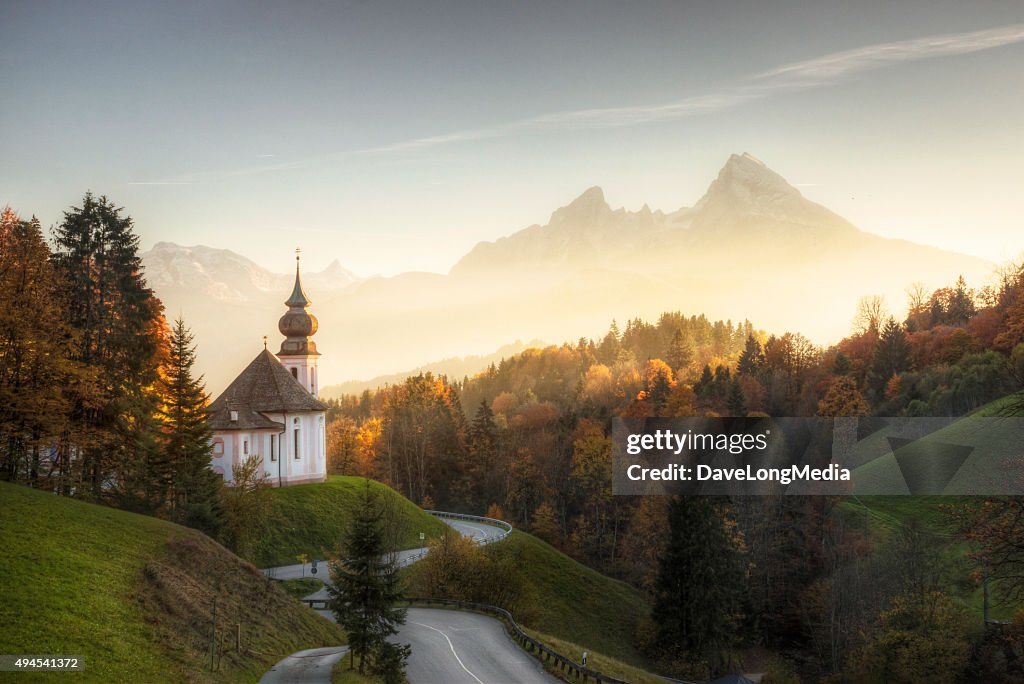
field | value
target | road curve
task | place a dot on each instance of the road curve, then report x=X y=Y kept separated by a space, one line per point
x=455 y=647
x=310 y=666
x=448 y=647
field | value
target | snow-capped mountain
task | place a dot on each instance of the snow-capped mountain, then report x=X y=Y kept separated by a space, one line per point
x=226 y=276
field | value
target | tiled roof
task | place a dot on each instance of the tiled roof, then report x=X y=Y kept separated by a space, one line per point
x=265 y=386
x=247 y=419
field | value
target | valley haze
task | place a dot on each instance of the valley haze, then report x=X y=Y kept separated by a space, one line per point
x=752 y=247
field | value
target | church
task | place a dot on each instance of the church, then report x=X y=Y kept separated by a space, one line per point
x=271 y=409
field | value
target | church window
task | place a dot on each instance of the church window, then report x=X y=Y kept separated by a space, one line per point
x=273 y=455
x=218 y=447
x=297 y=441
x=295 y=373
x=245 y=447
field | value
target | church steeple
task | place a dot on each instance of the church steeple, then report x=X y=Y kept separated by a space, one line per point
x=298 y=298
x=297 y=324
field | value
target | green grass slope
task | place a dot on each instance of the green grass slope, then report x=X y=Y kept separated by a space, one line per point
x=310 y=519
x=886 y=514
x=133 y=595
x=573 y=602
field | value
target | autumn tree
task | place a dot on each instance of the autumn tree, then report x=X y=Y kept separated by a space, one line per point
x=35 y=351
x=918 y=639
x=843 y=399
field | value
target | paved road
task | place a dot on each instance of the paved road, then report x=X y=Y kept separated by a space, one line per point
x=453 y=647
x=448 y=647
x=479 y=531
x=310 y=666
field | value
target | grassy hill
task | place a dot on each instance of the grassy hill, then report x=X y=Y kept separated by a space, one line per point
x=886 y=514
x=309 y=519
x=134 y=595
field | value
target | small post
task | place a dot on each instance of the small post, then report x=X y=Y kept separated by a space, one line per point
x=238 y=637
x=213 y=634
x=985 y=600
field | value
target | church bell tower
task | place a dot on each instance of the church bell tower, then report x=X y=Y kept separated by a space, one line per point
x=298 y=352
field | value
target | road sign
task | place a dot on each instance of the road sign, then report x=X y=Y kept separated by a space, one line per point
x=422 y=536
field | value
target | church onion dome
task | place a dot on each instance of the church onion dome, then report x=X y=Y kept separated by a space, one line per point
x=297 y=324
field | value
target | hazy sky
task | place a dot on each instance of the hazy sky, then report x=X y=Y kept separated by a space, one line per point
x=394 y=136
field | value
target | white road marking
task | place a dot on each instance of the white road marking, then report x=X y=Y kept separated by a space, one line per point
x=451 y=646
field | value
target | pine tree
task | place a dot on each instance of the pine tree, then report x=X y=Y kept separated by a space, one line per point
x=700 y=583
x=892 y=355
x=680 y=352
x=751 y=358
x=193 y=487
x=704 y=384
x=737 y=400
x=365 y=584
x=960 y=308
x=119 y=333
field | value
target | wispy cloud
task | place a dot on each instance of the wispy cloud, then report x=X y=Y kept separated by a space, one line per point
x=803 y=75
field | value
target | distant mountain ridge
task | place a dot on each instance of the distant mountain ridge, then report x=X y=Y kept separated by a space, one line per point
x=227 y=276
x=751 y=247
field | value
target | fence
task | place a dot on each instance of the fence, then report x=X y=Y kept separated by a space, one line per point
x=493 y=522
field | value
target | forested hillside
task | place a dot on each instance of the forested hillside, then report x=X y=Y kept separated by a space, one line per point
x=528 y=440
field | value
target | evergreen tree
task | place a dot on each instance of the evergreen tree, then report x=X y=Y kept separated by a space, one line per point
x=119 y=334
x=680 y=352
x=841 y=366
x=481 y=476
x=700 y=583
x=193 y=487
x=365 y=583
x=892 y=355
x=751 y=358
x=704 y=384
x=737 y=401
x=960 y=308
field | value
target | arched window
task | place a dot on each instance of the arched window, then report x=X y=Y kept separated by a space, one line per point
x=295 y=423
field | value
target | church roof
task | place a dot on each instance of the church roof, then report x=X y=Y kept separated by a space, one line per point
x=265 y=386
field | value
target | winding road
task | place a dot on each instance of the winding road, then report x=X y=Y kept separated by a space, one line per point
x=448 y=647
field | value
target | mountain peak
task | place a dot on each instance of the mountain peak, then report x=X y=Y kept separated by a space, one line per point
x=746 y=189
x=588 y=207
x=744 y=175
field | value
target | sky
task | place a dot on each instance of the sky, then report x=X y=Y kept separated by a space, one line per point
x=395 y=136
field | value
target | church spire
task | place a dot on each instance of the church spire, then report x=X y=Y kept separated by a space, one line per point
x=298 y=298
x=297 y=324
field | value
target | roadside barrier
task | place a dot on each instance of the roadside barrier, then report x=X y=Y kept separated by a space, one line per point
x=493 y=522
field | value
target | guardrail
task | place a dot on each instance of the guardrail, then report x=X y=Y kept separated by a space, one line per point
x=527 y=642
x=493 y=522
